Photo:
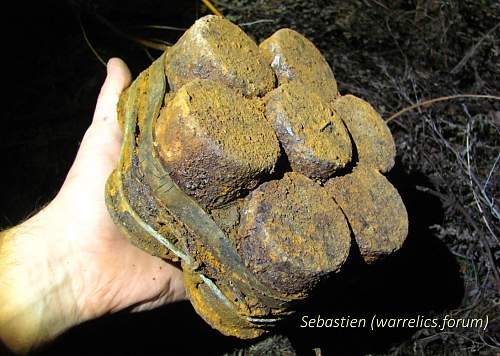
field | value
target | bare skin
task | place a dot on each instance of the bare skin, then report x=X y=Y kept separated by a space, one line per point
x=69 y=263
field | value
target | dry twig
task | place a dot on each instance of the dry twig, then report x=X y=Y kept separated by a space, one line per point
x=212 y=7
x=472 y=50
x=87 y=41
x=436 y=100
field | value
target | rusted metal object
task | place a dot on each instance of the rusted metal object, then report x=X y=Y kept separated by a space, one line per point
x=294 y=58
x=314 y=138
x=374 y=209
x=292 y=234
x=203 y=176
x=374 y=143
x=219 y=50
x=214 y=142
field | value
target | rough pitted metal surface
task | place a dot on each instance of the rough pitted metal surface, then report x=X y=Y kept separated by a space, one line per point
x=244 y=163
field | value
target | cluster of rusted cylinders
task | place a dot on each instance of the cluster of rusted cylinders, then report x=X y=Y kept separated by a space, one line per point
x=245 y=163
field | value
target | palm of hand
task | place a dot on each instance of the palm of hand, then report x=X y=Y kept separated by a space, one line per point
x=110 y=273
x=69 y=263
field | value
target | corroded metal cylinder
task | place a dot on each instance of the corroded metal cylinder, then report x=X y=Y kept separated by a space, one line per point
x=246 y=165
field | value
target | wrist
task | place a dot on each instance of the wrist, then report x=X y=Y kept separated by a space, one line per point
x=37 y=294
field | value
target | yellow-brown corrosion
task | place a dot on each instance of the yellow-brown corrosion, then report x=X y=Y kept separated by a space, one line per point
x=373 y=139
x=374 y=210
x=218 y=314
x=294 y=58
x=292 y=233
x=314 y=138
x=215 y=142
x=214 y=48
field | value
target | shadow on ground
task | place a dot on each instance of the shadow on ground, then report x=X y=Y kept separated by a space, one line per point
x=422 y=279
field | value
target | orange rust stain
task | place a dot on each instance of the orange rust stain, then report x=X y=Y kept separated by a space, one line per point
x=213 y=136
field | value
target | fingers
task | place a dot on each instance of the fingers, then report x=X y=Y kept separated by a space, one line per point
x=169 y=288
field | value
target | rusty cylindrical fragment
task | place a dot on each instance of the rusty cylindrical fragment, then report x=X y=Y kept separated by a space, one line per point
x=214 y=142
x=291 y=234
x=315 y=140
x=216 y=49
x=374 y=209
x=294 y=58
x=373 y=139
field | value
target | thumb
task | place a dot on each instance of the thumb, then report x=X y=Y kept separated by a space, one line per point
x=117 y=79
x=99 y=149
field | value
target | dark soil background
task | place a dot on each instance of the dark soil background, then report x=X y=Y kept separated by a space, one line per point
x=391 y=53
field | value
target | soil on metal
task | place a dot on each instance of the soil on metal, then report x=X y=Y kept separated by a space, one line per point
x=314 y=138
x=215 y=143
x=292 y=233
x=375 y=211
x=221 y=176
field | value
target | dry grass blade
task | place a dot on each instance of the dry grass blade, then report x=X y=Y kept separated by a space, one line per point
x=153 y=44
x=256 y=22
x=212 y=7
x=87 y=41
x=472 y=50
x=163 y=27
x=436 y=100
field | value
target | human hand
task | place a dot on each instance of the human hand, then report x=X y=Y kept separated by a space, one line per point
x=69 y=263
